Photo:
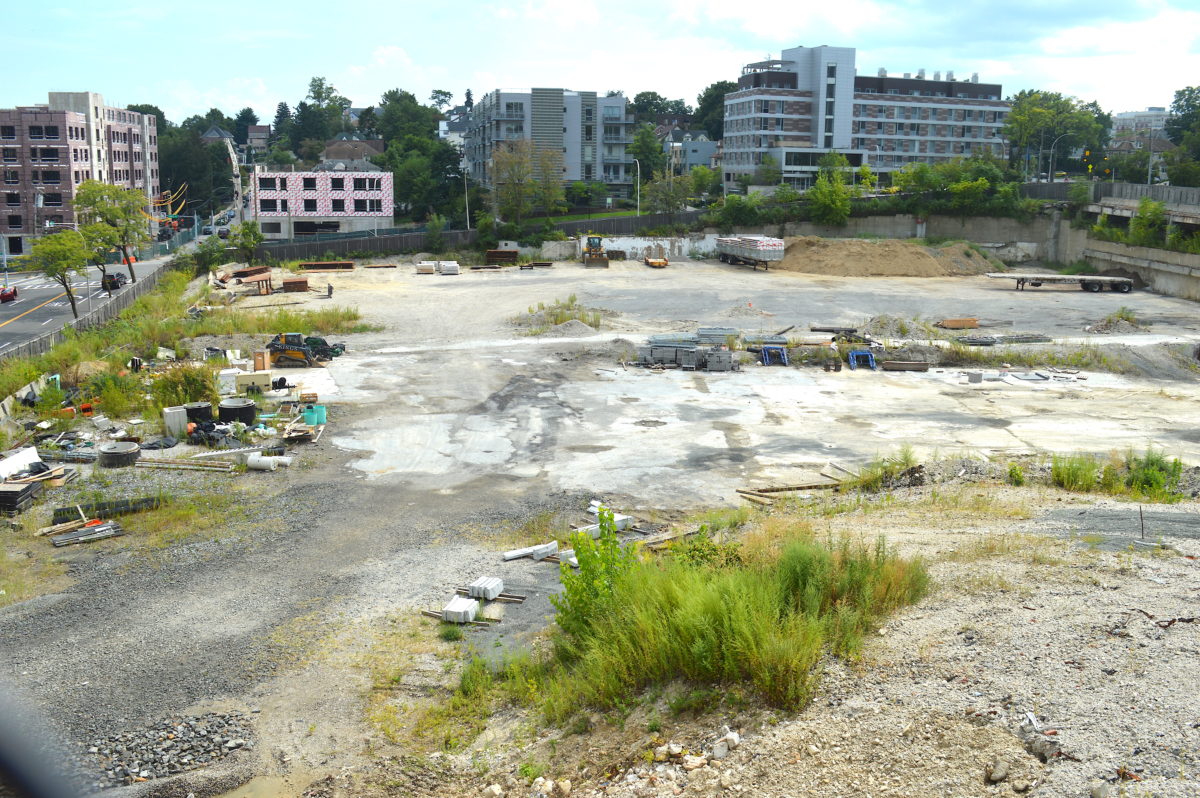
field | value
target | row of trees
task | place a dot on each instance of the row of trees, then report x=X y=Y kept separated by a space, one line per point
x=1183 y=130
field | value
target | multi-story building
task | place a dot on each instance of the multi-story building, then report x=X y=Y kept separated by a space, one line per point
x=811 y=102
x=290 y=204
x=1153 y=118
x=46 y=151
x=591 y=130
x=686 y=149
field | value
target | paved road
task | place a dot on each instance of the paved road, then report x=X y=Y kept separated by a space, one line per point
x=41 y=305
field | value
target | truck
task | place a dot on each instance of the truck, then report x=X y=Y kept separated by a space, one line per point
x=750 y=250
x=1088 y=282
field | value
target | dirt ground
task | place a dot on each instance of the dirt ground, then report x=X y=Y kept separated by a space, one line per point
x=450 y=430
x=881 y=258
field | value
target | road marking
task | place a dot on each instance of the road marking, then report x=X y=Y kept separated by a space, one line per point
x=31 y=310
x=47 y=321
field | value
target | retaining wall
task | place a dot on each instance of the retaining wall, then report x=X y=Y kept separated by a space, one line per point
x=1171 y=273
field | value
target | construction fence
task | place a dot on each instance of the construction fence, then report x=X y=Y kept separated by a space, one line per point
x=415 y=241
x=121 y=299
x=1170 y=195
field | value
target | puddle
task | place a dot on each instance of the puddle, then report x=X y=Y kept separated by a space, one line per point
x=267 y=787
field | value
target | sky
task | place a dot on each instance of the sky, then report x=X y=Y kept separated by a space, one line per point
x=187 y=58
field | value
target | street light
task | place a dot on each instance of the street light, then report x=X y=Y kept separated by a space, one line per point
x=1052 y=146
x=639 y=186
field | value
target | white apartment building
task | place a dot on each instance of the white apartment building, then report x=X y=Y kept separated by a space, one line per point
x=592 y=131
x=1153 y=118
x=811 y=102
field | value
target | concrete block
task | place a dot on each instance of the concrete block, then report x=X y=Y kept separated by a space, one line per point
x=486 y=587
x=545 y=550
x=460 y=610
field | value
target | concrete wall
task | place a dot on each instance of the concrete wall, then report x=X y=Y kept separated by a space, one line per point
x=1171 y=273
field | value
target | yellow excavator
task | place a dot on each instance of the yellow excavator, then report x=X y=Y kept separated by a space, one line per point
x=594 y=254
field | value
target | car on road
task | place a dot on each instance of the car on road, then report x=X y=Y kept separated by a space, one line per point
x=8 y=293
x=112 y=281
x=207 y=230
x=222 y=232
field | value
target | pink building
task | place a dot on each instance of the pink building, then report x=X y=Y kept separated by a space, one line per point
x=290 y=204
x=46 y=151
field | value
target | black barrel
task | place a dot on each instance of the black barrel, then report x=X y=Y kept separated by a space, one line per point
x=237 y=409
x=198 y=411
x=118 y=455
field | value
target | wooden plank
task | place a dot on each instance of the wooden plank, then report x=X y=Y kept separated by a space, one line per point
x=756 y=500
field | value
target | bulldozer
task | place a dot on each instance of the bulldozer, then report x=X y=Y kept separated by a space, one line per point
x=594 y=254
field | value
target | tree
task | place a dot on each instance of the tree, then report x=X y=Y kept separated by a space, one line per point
x=310 y=149
x=829 y=200
x=246 y=238
x=1185 y=115
x=400 y=115
x=1131 y=167
x=866 y=178
x=645 y=105
x=547 y=173
x=440 y=98
x=123 y=209
x=280 y=156
x=214 y=118
x=241 y=125
x=61 y=256
x=512 y=184
x=311 y=122
x=100 y=239
x=435 y=241
x=666 y=193
x=1148 y=227
x=368 y=121
x=468 y=100
x=677 y=108
x=153 y=110
x=578 y=193
x=648 y=150
x=768 y=173
x=703 y=180
x=1037 y=120
x=710 y=108
x=281 y=128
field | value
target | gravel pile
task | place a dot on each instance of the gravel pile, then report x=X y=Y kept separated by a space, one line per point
x=964 y=469
x=168 y=747
x=886 y=326
x=1113 y=326
x=571 y=327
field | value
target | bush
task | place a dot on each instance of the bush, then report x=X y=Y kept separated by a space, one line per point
x=1016 y=475
x=1154 y=476
x=1074 y=472
x=185 y=384
x=450 y=632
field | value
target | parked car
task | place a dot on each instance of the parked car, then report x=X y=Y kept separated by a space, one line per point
x=8 y=293
x=222 y=232
x=207 y=230
x=112 y=281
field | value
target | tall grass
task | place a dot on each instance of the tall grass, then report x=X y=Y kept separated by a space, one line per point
x=626 y=623
x=1088 y=357
x=1074 y=472
x=1150 y=477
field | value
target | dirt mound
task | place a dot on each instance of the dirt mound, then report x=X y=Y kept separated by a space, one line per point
x=571 y=327
x=746 y=310
x=1113 y=326
x=856 y=257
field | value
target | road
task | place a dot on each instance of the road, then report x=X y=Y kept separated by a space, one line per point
x=42 y=307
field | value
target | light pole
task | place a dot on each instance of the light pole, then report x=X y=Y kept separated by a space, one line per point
x=1150 y=154
x=1052 y=146
x=639 y=186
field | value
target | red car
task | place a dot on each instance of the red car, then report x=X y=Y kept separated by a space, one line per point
x=8 y=294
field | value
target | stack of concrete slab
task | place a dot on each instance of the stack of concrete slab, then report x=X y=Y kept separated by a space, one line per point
x=719 y=360
x=427 y=267
x=539 y=552
x=448 y=267
x=460 y=610
x=486 y=587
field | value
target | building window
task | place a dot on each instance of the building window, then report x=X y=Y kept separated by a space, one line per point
x=339 y=206
x=272 y=227
x=283 y=208
x=37 y=132
x=337 y=184
x=52 y=200
x=12 y=176
x=283 y=184
x=51 y=131
x=14 y=220
x=8 y=132
x=267 y=183
x=10 y=154
x=831 y=70
x=514 y=108
x=49 y=155
x=12 y=198
x=309 y=184
x=368 y=206
x=267 y=205
x=368 y=183
x=310 y=206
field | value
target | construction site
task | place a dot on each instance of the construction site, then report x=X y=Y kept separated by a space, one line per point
x=859 y=390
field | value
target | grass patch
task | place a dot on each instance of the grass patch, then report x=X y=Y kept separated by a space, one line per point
x=882 y=471
x=1150 y=477
x=763 y=618
x=1123 y=314
x=1088 y=357
x=560 y=311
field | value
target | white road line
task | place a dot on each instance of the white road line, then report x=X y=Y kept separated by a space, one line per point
x=47 y=321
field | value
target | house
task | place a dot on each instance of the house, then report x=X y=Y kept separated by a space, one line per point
x=351 y=146
x=344 y=197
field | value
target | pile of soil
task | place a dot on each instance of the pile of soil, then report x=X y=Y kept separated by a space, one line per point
x=746 y=310
x=571 y=327
x=856 y=257
x=1113 y=326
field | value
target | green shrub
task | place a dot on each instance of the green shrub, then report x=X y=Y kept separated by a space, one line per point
x=185 y=384
x=1074 y=472
x=1016 y=475
x=450 y=632
x=1154 y=476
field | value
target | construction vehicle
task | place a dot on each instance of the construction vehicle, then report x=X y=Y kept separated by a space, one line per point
x=289 y=350
x=594 y=254
x=655 y=263
x=322 y=349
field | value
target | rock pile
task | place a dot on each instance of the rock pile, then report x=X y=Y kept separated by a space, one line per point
x=168 y=747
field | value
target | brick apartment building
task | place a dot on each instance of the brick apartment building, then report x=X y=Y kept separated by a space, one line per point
x=334 y=200
x=591 y=130
x=811 y=102
x=48 y=150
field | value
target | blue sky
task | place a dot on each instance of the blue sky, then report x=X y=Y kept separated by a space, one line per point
x=187 y=58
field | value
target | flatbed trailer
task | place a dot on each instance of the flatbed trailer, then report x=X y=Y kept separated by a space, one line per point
x=1088 y=282
x=750 y=250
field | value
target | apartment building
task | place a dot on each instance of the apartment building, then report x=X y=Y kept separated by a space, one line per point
x=1143 y=122
x=47 y=150
x=591 y=130
x=811 y=101
x=332 y=200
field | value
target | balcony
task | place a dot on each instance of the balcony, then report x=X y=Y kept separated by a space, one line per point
x=507 y=116
x=616 y=159
x=617 y=140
